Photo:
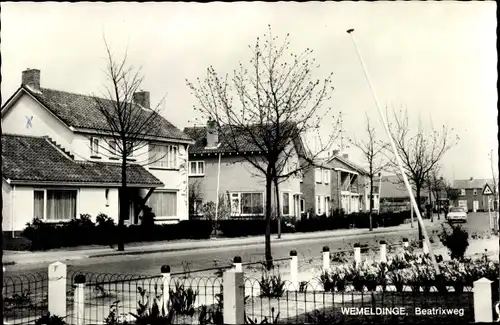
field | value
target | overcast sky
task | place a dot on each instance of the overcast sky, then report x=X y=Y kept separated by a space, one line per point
x=438 y=59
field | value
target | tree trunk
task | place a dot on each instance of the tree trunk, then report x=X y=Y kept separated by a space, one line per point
x=278 y=212
x=371 y=202
x=124 y=206
x=420 y=236
x=269 y=257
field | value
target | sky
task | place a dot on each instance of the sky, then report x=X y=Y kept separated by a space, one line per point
x=435 y=59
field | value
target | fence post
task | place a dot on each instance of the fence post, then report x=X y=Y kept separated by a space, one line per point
x=483 y=304
x=165 y=272
x=383 y=251
x=79 y=300
x=425 y=248
x=294 y=270
x=406 y=244
x=238 y=267
x=57 y=289
x=357 y=254
x=233 y=297
x=326 y=258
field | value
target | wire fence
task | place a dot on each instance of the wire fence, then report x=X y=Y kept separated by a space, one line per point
x=25 y=297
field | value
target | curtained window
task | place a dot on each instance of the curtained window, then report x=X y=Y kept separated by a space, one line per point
x=164 y=204
x=54 y=204
x=39 y=197
x=286 y=204
x=164 y=156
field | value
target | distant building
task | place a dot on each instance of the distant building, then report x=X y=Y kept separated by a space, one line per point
x=395 y=197
x=475 y=194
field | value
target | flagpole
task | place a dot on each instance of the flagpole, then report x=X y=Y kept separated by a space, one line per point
x=398 y=159
x=217 y=201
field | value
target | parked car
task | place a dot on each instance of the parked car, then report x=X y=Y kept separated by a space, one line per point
x=457 y=214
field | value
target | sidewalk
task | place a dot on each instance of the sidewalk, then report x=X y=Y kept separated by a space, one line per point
x=16 y=257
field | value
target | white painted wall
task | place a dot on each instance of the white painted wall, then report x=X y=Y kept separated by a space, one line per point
x=176 y=180
x=93 y=201
x=43 y=122
x=22 y=207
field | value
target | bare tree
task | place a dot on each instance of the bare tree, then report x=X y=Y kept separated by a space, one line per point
x=195 y=195
x=372 y=150
x=267 y=107
x=420 y=150
x=437 y=186
x=131 y=127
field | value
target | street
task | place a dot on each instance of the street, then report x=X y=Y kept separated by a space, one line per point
x=180 y=261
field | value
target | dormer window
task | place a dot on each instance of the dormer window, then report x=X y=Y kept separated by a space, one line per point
x=94 y=146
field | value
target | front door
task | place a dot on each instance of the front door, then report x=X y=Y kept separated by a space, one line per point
x=475 y=206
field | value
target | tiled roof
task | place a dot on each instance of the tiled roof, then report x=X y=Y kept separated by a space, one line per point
x=81 y=111
x=345 y=163
x=36 y=159
x=474 y=183
x=393 y=188
x=243 y=142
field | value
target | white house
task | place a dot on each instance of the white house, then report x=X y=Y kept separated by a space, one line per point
x=56 y=164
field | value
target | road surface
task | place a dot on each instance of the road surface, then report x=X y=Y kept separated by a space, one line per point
x=150 y=264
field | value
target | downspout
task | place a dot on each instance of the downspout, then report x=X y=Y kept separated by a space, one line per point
x=12 y=200
x=187 y=182
x=217 y=199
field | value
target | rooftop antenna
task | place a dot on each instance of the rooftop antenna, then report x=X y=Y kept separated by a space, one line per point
x=398 y=159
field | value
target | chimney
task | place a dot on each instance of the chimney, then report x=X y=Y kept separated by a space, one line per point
x=31 y=78
x=335 y=153
x=212 y=134
x=142 y=98
x=346 y=156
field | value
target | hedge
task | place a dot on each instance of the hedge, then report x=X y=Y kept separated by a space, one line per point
x=84 y=231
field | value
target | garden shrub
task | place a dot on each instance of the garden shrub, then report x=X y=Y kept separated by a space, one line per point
x=49 y=319
x=272 y=286
x=456 y=241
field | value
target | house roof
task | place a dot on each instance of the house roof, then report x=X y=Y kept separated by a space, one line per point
x=29 y=159
x=243 y=142
x=391 y=187
x=345 y=162
x=471 y=184
x=81 y=111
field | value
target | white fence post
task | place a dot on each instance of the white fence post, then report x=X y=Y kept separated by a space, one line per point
x=165 y=272
x=483 y=302
x=238 y=266
x=383 y=251
x=79 y=300
x=326 y=258
x=406 y=243
x=425 y=248
x=233 y=297
x=357 y=254
x=57 y=289
x=294 y=270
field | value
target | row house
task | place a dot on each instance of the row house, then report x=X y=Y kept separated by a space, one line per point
x=216 y=167
x=476 y=194
x=332 y=184
x=60 y=160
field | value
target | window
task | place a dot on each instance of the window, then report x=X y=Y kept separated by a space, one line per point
x=164 y=156
x=54 y=205
x=327 y=205
x=94 y=146
x=197 y=168
x=302 y=206
x=326 y=176
x=197 y=205
x=317 y=172
x=247 y=203
x=320 y=204
x=286 y=204
x=462 y=192
x=163 y=204
x=112 y=147
x=474 y=192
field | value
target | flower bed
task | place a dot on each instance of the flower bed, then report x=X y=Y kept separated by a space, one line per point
x=409 y=270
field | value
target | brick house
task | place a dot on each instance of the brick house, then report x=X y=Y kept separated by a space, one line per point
x=394 y=195
x=56 y=164
x=475 y=194
x=240 y=183
x=334 y=183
